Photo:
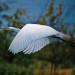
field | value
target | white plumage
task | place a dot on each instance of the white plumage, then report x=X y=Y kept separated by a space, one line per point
x=31 y=38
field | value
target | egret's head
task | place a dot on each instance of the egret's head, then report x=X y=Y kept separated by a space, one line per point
x=7 y=28
x=10 y=28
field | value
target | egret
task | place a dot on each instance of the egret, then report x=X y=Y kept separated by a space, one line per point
x=32 y=37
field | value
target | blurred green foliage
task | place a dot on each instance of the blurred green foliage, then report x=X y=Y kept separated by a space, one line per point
x=11 y=69
x=73 y=72
x=50 y=15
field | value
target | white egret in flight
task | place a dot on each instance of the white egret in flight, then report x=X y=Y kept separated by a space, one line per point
x=33 y=37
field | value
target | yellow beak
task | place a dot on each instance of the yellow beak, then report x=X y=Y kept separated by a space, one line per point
x=3 y=28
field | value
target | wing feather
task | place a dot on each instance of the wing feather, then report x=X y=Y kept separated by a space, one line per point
x=31 y=49
x=37 y=45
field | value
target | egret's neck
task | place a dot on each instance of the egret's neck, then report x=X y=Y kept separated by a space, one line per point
x=16 y=29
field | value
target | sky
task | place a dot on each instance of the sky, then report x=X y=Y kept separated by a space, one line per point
x=36 y=8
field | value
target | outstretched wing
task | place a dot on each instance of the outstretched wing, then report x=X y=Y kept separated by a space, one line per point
x=29 y=35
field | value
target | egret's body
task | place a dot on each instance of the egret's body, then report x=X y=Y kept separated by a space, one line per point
x=33 y=37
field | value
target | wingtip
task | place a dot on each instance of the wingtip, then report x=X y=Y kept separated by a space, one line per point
x=12 y=51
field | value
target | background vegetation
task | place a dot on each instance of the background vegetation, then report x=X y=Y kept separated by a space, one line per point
x=48 y=60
